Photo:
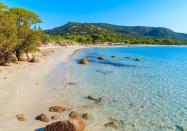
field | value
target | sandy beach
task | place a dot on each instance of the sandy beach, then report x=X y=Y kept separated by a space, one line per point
x=22 y=90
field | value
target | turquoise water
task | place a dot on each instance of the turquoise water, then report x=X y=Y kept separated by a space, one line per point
x=141 y=96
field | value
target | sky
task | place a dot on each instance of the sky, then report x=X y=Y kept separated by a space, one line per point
x=157 y=13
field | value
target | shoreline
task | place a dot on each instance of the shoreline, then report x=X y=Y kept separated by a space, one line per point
x=22 y=90
x=29 y=88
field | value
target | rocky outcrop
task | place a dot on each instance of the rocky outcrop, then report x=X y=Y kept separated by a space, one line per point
x=42 y=117
x=61 y=126
x=22 y=56
x=21 y=117
x=84 y=62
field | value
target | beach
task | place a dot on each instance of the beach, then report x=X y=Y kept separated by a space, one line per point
x=130 y=87
x=22 y=90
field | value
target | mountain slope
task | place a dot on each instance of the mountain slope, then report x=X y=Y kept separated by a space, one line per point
x=117 y=31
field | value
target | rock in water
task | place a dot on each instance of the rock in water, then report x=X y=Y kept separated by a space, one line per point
x=21 y=117
x=111 y=125
x=113 y=56
x=138 y=59
x=22 y=56
x=84 y=62
x=85 y=116
x=42 y=117
x=57 y=109
x=100 y=58
x=61 y=126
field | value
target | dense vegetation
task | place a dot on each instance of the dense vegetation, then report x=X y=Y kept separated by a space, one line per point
x=89 y=33
x=19 y=31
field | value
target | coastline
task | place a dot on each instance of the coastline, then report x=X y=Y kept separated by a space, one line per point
x=22 y=89
x=28 y=88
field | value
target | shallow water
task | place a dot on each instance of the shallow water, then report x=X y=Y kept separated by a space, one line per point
x=141 y=96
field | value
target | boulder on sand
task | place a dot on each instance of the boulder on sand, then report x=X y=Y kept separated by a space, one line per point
x=78 y=123
x=61 y=126
x=2 y=60
x=37 y=57
x=22 y=56
x=42 y=117
x=11 y=57
x=74 y=114
x=21 y=117
x=29 y=56
x=84 y=62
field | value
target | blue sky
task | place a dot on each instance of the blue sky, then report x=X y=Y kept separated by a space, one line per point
x=160 y=13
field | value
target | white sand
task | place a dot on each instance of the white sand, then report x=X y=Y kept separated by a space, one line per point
x=22 y=90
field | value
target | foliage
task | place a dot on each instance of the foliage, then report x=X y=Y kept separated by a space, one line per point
x=19 y=30
x=93 y=33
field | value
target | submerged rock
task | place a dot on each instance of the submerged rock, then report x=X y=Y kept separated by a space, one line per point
x=57 y=109
x=42 y=117
x=179 y=128
x=72 y=83
x=84 y=62
x=85 y=116
x=100 y=58
x=21 y=117
x=128 y=57
x=61 y=126
x=138 y=59
x=111 y=125
x=113 y=56
x=97 y=100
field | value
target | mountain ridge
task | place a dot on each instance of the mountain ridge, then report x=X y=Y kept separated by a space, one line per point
x=117 y=31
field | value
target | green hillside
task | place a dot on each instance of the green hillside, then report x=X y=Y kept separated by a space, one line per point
x=102 y=32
